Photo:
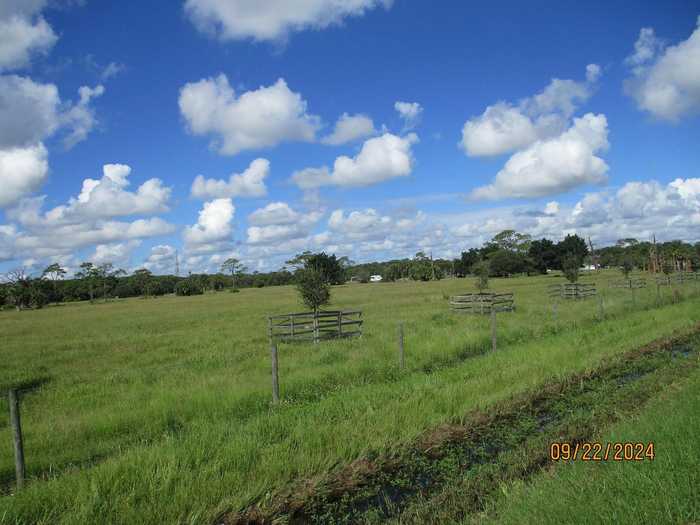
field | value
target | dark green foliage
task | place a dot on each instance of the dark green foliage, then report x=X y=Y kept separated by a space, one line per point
x=189 y=286
x=504 y=263
x=572 y=245
x=571 y=265
x=424 y=268
x=313 y=287
x=464 y=264
x=329 y=266
x=544 y=255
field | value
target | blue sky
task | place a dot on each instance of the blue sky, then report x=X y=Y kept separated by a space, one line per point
x=488 y=139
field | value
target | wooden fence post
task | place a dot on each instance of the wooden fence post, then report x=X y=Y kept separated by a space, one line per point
x=402 y=360
x=17 y=437
x=315 y=324
x=275 y=377
x=493 y=328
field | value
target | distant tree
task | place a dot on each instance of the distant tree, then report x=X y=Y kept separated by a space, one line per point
x=543 y=254
x=313 y=287
x=393 y=272
x=572 y=246
x=107 y=275
x=234 y=267
x=481 y=269
x=504 y=263
x=143 y=279
x=89 y=274
x=18 y=288
x=188 y=286
x=423 y=268
x=54 y=273
x=512 y=241
x=464 y=264
x=22 y=291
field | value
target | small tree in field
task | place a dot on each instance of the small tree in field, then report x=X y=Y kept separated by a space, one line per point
x=481 y=270
x=571 y=265
x=626 y=267
x=314 y=289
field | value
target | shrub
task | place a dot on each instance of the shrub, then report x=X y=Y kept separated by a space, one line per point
x=570 y=265
x=481 y=269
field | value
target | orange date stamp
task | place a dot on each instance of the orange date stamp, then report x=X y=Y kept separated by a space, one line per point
x=616 y=451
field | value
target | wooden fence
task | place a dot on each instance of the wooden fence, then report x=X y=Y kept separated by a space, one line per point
x=677 y=278
x=571 y=290
x=482 y=303
x=315 y=326
x=629 y=283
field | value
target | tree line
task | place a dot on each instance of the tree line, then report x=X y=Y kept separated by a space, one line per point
x=507 y=253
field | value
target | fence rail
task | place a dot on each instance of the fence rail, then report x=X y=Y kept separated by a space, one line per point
x=678 y=278
x=315 y=326
x=572 y=290
x=629 y=283
x=482 y=303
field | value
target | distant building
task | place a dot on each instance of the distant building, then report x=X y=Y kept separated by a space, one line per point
x=375 y=278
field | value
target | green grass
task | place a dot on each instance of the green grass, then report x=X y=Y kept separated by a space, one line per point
x=665 y=490
x=158 y=410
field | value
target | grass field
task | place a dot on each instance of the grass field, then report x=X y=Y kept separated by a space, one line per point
x=158 y=411
x=663 y=491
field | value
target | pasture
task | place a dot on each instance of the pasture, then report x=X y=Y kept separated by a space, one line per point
x=158 y=410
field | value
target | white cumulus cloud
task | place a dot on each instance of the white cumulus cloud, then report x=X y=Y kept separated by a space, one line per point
x=410 y=112
x=380 y=159
x=554 y=165
x=22 y=171
x=272 y=19
x=118 y=254
x=504 y=127
x=665 y=81
x=214 y=226
x=349 y=128
x=277 y=223
x=256 y=119
x=23 y=33
x=108 y=197
x=250 y=183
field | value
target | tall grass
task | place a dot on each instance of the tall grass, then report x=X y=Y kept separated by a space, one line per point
x=158 y=410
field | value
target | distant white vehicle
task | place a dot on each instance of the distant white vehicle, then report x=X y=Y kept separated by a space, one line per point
x=375 y=278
